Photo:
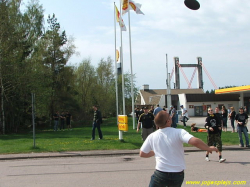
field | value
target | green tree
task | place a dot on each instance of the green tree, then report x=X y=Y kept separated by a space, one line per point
x=57 y=53
x=85 y=86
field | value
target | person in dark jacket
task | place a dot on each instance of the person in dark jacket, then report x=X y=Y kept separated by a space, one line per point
x=97 y=120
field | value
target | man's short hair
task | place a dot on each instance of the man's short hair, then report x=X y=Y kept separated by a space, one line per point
x=157 y=105
x=161 y=118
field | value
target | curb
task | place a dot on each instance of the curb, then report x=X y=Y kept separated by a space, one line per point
x=98 y=153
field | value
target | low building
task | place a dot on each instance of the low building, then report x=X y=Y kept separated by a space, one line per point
x=195 y=100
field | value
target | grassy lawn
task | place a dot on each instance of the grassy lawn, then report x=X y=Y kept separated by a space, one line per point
x=79 y=139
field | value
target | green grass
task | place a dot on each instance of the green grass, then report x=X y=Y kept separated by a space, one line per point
x=79 y=139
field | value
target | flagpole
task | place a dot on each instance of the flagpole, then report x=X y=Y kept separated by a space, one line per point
x=131 y=68
x=121 y=59
x=116 y=73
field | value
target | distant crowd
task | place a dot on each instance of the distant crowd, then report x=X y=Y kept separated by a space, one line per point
x=60 y=119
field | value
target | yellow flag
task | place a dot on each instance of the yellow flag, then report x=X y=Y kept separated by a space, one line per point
x=117 y=55
x=119 y=19
x=125 y=6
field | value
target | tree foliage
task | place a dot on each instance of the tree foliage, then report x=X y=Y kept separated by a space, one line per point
x=33 y=59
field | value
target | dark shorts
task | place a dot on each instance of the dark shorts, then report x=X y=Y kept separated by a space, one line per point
x=214 y=138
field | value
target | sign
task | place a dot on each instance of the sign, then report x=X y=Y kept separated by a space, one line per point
x=123 y=119
x=123 y=127
x=123 y=122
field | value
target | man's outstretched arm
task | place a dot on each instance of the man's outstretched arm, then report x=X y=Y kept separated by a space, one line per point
x=201 y=145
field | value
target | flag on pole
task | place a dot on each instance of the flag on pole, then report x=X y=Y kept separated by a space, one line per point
x=120 y=20
x=131 y=5
x=117 y=55
x=125 y=6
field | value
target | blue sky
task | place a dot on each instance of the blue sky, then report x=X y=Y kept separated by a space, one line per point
x=218 y=32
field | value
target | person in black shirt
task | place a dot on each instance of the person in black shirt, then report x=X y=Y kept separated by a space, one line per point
x=56 y=120
x=224 y=114
x=194 y=128
x=241 y=120
x=137 y=114
x=68 y=120
x=231 y=116
x=62 y=117
x=219 y=116
x=214 y=127
x=146 y=121
x=97 y=120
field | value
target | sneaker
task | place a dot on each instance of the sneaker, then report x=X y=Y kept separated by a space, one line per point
x=207 y=159
x=241 y=145
x=222 y=160
x=247 y=145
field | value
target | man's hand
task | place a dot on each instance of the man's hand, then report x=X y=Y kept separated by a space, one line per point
x=137 y=130
x=211 y=129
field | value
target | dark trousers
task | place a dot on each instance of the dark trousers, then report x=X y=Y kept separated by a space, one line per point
x=183 y=120
x=169 y=179
x=224 y=122
x=96 y=125
x=243 y=129
x=62 y=125
x=174 y=125
x=232 y=123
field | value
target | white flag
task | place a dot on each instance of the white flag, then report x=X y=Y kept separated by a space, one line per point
x=131 y=5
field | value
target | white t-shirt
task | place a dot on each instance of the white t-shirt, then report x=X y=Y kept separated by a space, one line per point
x=167 y=144
x=184 y=110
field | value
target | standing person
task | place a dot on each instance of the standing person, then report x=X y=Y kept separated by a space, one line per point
x=213 y=126
x=166 y=145
x=56 y=120
x=137 y=114
x=231 y=116
x=241 y=120
x=97 y=120
x=173 y=116
x=224 y=114
x=152 y=112
x=151 y=109
x=218 y=115
x=184 y=114
x=164 y=108
x=68 y=120
x=157 y=109
x=62 y=117
x=146 y=122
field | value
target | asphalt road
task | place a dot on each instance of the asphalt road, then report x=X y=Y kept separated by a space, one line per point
x=119 y=171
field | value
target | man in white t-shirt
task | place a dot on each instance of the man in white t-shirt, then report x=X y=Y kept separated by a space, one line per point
x=184 y=114
x=166 y=144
